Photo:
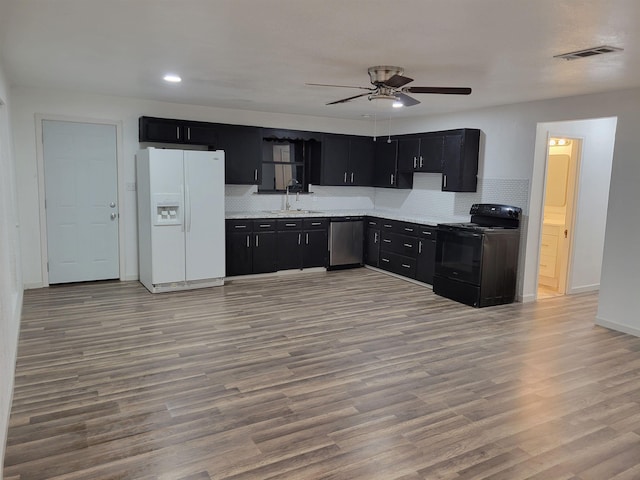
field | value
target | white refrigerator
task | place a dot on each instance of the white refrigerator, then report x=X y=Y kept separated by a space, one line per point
x=181 y=227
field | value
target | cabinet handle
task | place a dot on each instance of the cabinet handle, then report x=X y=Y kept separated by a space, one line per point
x=408 y=245
x=265 y=225
x=444 y=181
x=257 y=241
x=239 y=226
x=392 y=179
x=248 y=245
x=307 y=238
x=415 y=162
x=385 y=260
x=178 y=133
x=426 y=233
x=188 y=133
x=407 y=229
x=299 y=238
x=419 y=246
x=315 y=224
x=386 y=240
x=420 y=161
x=386 y=225
x=375 y=237
x=351 y=177
x=289 y=224
x=406 y=266
x=255 y=174
x=345 y=177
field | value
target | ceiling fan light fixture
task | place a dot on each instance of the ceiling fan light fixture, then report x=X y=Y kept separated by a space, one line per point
x=397 y=104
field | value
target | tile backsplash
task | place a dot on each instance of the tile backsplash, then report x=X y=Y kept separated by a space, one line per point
x=425 y=199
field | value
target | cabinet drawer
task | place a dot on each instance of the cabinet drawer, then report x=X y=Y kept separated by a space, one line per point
x=549 y=245
x=315 y=223
x=406 y=228
x=548 y=265
x=290 y=224
x=239 y=225
x=426 y=232
x=264 y=224
x=399 y=264
x=373 y=222
x=396 y=243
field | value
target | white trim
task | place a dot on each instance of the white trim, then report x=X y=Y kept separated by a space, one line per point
x=617 y=327
x=584 y=289
x=39 y=117
x=526 y=298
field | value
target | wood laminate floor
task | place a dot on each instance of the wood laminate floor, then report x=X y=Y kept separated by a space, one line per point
x=342 y=375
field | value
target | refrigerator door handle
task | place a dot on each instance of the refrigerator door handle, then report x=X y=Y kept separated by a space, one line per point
x=188 y=207
x=182 y=195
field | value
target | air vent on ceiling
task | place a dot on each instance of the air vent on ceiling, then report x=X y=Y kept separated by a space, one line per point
x=588 y=52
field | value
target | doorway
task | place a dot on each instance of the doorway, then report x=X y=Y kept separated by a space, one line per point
x=563 y=160
x=80 y=201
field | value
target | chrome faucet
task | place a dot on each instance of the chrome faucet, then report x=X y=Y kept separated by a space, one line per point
x=291 y=183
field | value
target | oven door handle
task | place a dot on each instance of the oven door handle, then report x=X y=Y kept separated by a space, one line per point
x=459 y=233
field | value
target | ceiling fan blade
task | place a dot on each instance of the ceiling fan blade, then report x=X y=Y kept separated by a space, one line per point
x=406 y=100
x=341 y=86
x=441 y=90
x=397 y=81
x=348 y=99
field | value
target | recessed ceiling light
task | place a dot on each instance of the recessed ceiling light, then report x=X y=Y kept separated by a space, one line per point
x=171 y=78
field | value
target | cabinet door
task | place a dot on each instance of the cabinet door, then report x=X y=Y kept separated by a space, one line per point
x=431 y=151
x=335 y=160
x=426 y=260
x=160 y=130
x=360 y=167
x=408 y=154
x=242 y=153
x=289 y=250
x=372 y=247
x=460 y=161
x=385 y=172
x=315 y=248
x=238 y=254
x=264 y=246
x=201 y=133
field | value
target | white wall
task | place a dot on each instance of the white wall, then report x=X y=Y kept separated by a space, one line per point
x=27 y=103
x=10 y=274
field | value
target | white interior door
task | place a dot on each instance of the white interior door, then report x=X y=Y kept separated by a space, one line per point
x=81 y=194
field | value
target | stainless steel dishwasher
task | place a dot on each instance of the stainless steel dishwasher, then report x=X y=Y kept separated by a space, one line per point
x=346 y=239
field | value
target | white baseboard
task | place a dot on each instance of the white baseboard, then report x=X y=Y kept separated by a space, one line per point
x=530 y=297
x=619 y=327
x=584 y=289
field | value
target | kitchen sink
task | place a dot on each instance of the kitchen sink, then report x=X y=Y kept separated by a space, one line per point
x=293 y=212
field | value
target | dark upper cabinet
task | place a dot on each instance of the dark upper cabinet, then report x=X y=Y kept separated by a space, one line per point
x=385 y=169
x=242 y=147
x=460 y=160
x=346 y=160
x=361 y=157
x=164 y=130
x=200 y=133
x=421 y=154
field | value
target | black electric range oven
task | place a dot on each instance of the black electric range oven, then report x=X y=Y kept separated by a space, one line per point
x=476 y=262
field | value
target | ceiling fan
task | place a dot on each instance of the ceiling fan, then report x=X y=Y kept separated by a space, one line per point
x=389 y=84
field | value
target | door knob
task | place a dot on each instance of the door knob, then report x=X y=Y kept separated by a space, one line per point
x=112 y=204
x=113 y=216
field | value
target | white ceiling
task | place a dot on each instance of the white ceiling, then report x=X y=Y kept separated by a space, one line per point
x=258 y=54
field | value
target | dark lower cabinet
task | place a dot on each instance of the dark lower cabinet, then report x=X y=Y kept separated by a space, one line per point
x=426 y=255
x=371 y=253
x=239 y=254
x=263 y=247
x=404 y=248
x=250 y=247
x=289 y=250
x=314 y=248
